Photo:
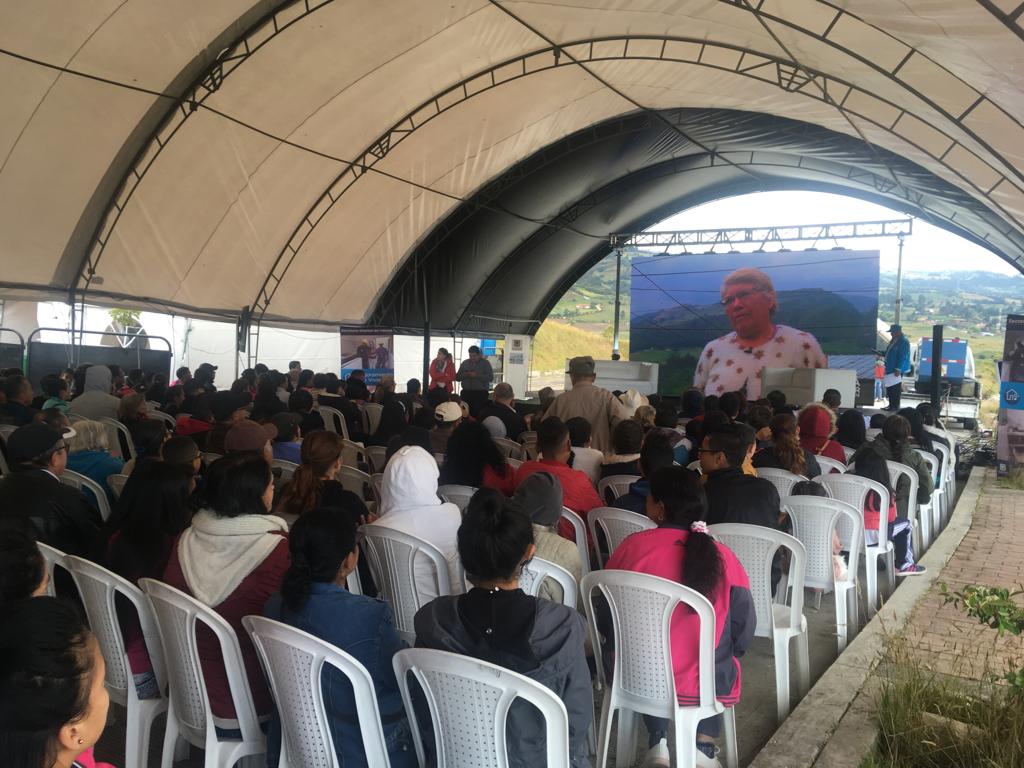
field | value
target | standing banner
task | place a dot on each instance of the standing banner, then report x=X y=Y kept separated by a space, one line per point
x=371 y=351
x=1010 y=428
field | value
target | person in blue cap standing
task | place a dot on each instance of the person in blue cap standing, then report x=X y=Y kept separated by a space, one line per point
x=897 y=361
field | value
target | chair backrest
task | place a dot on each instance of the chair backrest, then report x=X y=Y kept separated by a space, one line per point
x=848 y=452
x=872 y=432
x=459 y=495
x=579 y=535
x=694 y=466
x=81 y=482
x=529 y=442
x=641 y=608
x=53 y=557
x=287 y=467
x=4 y=467
x=122 y=437
x=354 y=480
x=943 y=450
x=933 y=463
x=755 y=547
x=352 y=453
x=334 y=421
x=178 y=616
x=780 y=478
x=898 y=470
x=469 y=701
x=116 y=484
x=510 y=449
x=617 y=484
x=98 y=588
x=391 y=556
x=538 y=569
x=5 y=432
x=209 y=457
x=169 y=420
x=294 y=663
x=377 y=484
x=616 y=524
x=376 y=455
x=514 y=463
x=828 y=465
x=372 y=413
x=814 y=520
x=854 y=490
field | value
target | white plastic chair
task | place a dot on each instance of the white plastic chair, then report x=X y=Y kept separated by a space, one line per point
x=81 y=482
x=872 y=432
x=468 y=701
x=189 y=716
x=53 y=557
x=375 y=455
x=514 y=463
x=618 y=484
x=781 y=479
x=459 y=495
x=827 y=465
x=755 y=547
x=4 y=467
x=6 y=430
x=354 y=480
x=814 y=520
x=694 y=466
x=510 y=449
x=529 y=442
x=294 y=662
x=287 y=468
x=919 y=514
x=948 y=479
x=934 y=507
x=209 y=457
x=98 y=588
x=334 y=421
x=169 y=420
x=117 y=484
x=123 y=438
x=392 y=557
x=848 y=453
x=352 y=453
x=579 y=537
x=854 y=489
x=372 y=413
x=538 y=569
x=617 y=524
x=377 y=485
x=643 y=680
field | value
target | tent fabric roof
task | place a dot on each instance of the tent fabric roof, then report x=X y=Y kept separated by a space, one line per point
x=295 y=156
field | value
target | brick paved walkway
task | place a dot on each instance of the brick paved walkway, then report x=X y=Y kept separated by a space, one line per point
x=991 y=554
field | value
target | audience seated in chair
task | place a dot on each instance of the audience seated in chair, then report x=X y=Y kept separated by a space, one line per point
x=94 y=401
x=627 y=438
x=539 y=497
x=578 y=493
x=655 y=454
x=473 y=459
x=894 y=445
x=447 y=416
x=584 y=458
x=89 y=454
x=23 y=571
x=680 y=549
x=497 y=622
x=785 y=452
x=17 y=410
x=817 y=426
x=871 y=464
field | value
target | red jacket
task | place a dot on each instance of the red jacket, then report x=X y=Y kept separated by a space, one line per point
x=247 y=600
x=442 y=377
x=578 y=494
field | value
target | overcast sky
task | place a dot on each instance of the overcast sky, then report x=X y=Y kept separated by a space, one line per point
x=929 y=249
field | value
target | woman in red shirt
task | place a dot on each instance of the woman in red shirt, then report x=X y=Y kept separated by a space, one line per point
x=817 y=425
x=442 y=370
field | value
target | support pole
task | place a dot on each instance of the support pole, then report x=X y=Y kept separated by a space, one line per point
x=424 y=384
x=899 y=281
x=936 y=383
x=618 y=304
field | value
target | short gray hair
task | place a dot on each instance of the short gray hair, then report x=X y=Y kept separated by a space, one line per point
x=503 y=391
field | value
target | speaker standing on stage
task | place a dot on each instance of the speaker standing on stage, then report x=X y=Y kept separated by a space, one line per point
x=897 y=362
x=475 y=375
x=736 y=361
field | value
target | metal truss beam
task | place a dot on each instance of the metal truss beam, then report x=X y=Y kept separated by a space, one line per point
x=763 y=235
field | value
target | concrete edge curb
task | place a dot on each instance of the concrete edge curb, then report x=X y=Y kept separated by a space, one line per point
x=800 y=740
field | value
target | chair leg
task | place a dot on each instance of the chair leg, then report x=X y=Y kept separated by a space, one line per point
x=871 y=572
x=625 y=739
x=686 y=741
x=170 y=739
x=604 y=731
x=841 y=596
x=803 y=665
x=782 y=675
x=731 y=748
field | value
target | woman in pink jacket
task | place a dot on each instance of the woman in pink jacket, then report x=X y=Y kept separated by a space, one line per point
x=681 y=549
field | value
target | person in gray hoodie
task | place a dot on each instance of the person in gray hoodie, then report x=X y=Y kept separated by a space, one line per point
x=499 y=623
x=95 y=402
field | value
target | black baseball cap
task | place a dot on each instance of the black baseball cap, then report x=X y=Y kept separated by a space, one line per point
x=33 y=440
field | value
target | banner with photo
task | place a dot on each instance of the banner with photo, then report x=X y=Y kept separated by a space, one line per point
x=371 y=351
x=1010 y=426
x=715 y=321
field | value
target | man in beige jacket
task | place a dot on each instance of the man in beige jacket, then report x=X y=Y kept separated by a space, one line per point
x=598 y=406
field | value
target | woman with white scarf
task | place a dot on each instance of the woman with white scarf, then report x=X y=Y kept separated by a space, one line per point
x=409 y=503
x=232 y=558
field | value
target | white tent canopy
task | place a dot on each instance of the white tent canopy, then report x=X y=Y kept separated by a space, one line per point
x=290 y=156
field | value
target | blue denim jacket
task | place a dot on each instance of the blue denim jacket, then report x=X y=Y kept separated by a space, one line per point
x=363 y=628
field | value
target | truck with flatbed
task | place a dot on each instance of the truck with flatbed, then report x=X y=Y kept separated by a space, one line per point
x=959 y=388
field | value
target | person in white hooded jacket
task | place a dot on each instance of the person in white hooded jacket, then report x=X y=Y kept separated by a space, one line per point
x=410 y=504
x=95 y=402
